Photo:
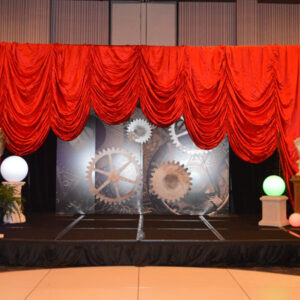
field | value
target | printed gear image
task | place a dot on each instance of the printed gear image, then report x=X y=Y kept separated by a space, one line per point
x=115 y=167
x=139 y=130
x=181 y=139
x=170 y=181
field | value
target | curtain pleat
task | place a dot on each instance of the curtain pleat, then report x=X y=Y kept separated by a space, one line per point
x=115 y=82
x=70 y=105
x=249 y=93
x=162 y=84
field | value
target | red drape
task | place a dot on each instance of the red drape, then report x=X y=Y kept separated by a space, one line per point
x=249 y=93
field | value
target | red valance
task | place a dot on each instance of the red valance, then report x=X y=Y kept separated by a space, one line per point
x=252 y=94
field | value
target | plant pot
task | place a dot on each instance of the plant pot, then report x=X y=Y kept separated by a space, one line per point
x=15 y=215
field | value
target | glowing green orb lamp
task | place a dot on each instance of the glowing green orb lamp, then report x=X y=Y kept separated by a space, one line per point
x=274 y=185
x=274 y=204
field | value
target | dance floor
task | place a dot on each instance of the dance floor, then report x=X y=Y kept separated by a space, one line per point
x=132 y=240
x=148 y=283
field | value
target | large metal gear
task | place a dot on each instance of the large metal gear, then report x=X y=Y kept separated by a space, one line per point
x=139 y=130
x=170 y=181
x=113 y=175
x=181 y=139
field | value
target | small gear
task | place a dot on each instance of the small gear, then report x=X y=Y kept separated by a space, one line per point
x=139 y=130
x=181 y=139
x=170 y=181
x=113 y=175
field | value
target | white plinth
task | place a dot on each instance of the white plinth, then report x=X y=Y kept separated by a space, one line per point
x=273 y=211
x=16 y=216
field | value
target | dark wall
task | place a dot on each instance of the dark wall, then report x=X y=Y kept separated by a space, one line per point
x=39 y=190
x=246 y=181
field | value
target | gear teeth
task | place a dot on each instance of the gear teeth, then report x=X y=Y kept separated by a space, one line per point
x=175 y=140
x=163 y=192
x=91 y=167
x=134 y=125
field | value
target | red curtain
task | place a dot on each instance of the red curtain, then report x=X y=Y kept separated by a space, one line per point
x=249 y=93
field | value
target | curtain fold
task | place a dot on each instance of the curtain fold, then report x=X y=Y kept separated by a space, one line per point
x=250 y=94
x=70 y=105
x=288 y=108
x=252 y=128
x=114 y=82
x=206 y=95
x=26 y=96
x=162 y=84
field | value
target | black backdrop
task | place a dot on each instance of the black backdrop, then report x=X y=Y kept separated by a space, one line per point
x=39 y=190
x=245 y=180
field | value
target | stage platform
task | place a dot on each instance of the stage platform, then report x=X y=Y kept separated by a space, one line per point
x=88 y=240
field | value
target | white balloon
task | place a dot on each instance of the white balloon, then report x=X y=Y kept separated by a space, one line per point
x=14 y=168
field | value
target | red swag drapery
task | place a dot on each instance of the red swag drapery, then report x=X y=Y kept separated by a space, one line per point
x=249 y=93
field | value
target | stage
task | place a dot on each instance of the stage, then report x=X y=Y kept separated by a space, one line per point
x=88 y=240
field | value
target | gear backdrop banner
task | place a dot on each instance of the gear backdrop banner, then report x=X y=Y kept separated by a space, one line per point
x=249 y=93
x=99 y=171
x=136 y=167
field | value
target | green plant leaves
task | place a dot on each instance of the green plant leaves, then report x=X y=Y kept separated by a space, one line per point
x=8 y=201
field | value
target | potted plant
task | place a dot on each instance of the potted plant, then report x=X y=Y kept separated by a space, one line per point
x=9 y=203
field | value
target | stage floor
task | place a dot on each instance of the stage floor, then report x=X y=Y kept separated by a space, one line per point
x=53 y=240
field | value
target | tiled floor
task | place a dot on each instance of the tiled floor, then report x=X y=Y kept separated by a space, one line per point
x=155 y=283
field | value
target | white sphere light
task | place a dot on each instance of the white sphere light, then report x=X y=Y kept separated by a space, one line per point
x=14 y=168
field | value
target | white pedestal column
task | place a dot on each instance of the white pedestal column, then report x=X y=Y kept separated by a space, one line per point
x=273 y=211
x=17 y=215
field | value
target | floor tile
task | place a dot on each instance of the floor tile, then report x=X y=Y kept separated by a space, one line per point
x=172 y=283
x=268 y=286
x=16 y=285
x=105 y=283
